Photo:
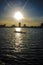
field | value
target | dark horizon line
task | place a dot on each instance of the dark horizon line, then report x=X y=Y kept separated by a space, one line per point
x=24 y=26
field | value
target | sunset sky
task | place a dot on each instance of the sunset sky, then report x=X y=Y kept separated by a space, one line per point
x=32 y=11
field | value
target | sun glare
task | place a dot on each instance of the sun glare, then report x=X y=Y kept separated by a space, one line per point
x=18 y=29
x=18 y=15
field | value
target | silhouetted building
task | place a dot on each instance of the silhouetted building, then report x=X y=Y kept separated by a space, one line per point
x=19 y=24
x=24 y=25
x=3 y=25
x=41 y=24
x=13 y=26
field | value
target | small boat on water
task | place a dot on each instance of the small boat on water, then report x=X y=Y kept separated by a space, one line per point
x=19 y=32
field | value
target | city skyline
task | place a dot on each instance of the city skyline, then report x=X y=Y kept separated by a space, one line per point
x=20 y=26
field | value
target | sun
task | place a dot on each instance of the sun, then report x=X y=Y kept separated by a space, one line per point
x=18 y=15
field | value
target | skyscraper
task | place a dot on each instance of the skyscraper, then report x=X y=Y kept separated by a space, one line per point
x=19 y=24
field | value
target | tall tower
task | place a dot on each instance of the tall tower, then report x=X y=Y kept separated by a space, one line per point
x=19 y=24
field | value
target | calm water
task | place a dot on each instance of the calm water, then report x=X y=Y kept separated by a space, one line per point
x=21 y=48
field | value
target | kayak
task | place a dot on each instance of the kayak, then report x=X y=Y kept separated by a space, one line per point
x=19 y=32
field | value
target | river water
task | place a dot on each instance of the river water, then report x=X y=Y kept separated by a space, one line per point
x=21 y=48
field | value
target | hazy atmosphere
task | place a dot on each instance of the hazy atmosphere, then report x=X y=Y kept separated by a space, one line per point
x=32 y=11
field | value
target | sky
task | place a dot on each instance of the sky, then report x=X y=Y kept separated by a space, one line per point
x=32 y=11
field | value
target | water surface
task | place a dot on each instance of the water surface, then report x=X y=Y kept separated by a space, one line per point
x=21 y=48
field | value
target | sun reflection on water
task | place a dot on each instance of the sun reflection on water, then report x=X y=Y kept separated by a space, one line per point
x=18 y=40
x=18 y=29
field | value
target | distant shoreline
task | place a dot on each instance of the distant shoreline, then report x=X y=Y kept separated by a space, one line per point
x=21 y=27
x=24 y=26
